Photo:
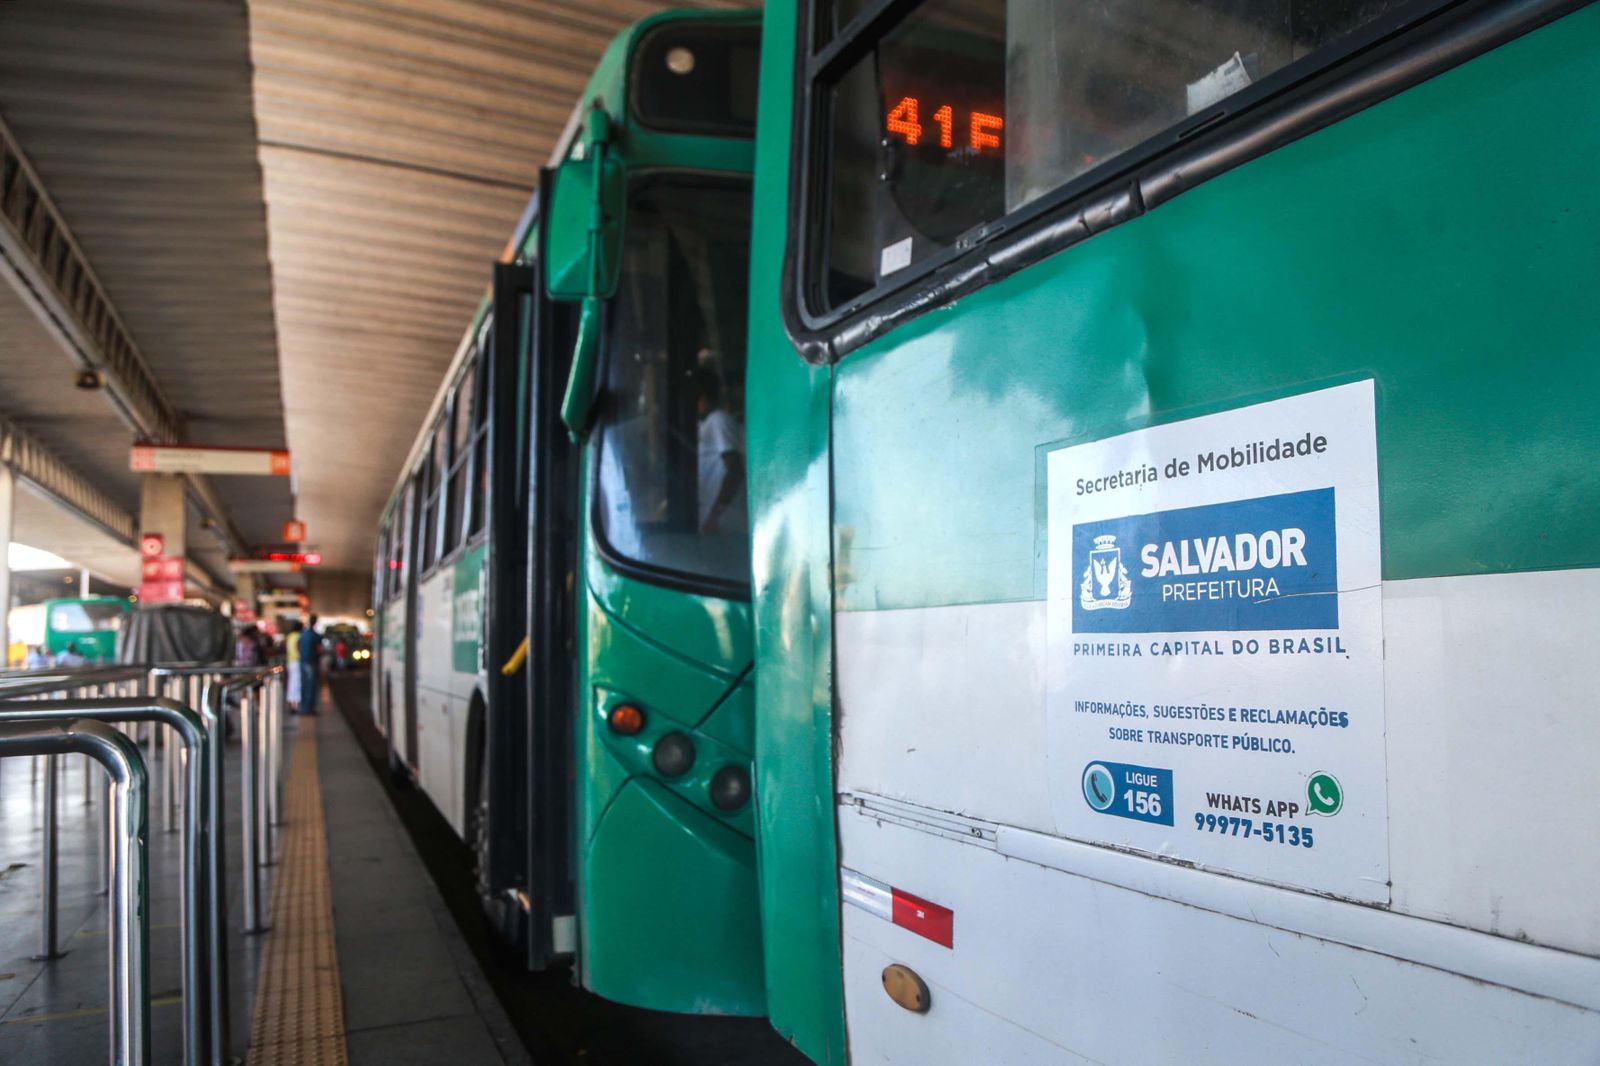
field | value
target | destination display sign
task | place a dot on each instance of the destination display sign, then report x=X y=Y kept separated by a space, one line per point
x=1215 y=686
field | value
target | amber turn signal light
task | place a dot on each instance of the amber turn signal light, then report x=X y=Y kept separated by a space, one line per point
x=625 y=719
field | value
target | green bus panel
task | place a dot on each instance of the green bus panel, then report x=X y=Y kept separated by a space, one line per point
x=1439 y=242
x=668 y=905
x=787 y=405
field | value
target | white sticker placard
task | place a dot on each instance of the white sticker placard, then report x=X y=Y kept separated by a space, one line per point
x=1215 y=680
x=894 y=257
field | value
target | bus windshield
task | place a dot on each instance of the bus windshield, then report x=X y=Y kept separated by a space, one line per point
x=671 y=468
x=85 y=617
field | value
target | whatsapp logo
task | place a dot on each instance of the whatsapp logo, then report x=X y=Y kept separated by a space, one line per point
x=1324 y=794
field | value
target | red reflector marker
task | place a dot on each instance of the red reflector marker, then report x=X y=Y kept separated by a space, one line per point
x=923 y=918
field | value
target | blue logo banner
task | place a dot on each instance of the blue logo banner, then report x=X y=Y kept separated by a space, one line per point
x=1143 y=793
x=1265 y=563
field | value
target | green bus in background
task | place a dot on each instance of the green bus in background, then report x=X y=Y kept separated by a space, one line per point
x=562 y=582
x=90 y=622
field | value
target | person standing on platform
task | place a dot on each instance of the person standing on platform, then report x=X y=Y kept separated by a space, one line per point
x=291 y=651
x=37 y=659
x=310 y=656
x=246 y=649
x=72 y=656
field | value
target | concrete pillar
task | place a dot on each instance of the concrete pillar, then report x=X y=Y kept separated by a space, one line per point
x=8 y=496
x=163 y=509
x=83 y=582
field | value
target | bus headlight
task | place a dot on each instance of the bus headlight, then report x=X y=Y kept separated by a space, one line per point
x=673 y=755
x=730 y=788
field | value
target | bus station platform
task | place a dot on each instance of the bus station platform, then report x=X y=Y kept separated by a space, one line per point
x=361 y=963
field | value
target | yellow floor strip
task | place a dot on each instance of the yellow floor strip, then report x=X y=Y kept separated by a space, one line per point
x=299 y=1019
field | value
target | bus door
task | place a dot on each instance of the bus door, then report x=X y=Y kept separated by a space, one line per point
x=549 y=535
x=413 y=543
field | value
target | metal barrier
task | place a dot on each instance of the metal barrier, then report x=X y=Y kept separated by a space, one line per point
x=194 y=898
x=201 y=726
x=128 y=919
x=215 y=684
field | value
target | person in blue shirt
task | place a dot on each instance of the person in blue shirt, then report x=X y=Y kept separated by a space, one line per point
x=72 y=656
x=310 y=659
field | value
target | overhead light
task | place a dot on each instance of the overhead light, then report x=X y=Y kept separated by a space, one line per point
x=89 y=380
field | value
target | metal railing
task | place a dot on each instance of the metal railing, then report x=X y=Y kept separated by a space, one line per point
x=191 y=700
x=129 y=922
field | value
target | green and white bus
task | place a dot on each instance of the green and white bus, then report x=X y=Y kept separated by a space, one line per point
x=1173 y=434
x=1169 y=439
x=90 y=622
x=562 y=592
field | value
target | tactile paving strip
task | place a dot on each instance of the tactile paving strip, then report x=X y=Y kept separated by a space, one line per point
x=299 y=1017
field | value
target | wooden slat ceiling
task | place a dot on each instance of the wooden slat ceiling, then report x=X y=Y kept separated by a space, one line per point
x=400 y=140
x=137 y=115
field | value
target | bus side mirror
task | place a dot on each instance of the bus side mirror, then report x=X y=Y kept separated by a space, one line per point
x=583 y=248
x=583 y=242
x=578 y=403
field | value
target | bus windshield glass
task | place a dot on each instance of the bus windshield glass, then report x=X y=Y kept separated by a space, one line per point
x=966 y=110
x=672 y=455
x=692 y=78
x=81 y=617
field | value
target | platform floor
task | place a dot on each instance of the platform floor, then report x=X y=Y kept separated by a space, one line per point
x=405 y=986
x=412 y=991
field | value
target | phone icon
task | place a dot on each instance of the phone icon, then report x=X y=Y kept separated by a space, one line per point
x=1324 y=794
x=1099 y=789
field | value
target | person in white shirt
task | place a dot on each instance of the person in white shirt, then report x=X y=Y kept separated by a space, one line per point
x=721 y=456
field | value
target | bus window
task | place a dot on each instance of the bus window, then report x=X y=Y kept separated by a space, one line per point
x=380 y=590
x=400 y=557
x=966 y=110
x=841 y=14
x=461 y=448
x=480 y=450
x=671 y=469
x=433 y=473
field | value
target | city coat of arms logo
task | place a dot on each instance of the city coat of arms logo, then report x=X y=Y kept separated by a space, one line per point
x=1105 y=579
